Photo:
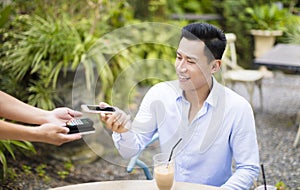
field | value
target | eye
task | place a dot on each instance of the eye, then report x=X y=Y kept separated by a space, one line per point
x=178 y=57
x=191 y=61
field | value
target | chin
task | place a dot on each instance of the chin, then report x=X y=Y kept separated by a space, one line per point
x=186 y=86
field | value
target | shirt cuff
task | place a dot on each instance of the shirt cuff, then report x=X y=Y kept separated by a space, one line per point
x=118 y=137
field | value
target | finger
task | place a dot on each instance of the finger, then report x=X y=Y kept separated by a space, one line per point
x=115 y=127
x=103 y=117
x=127 y=124
x=103 y=104
x=122 y=119
x=69 y=137
x=74 y=113
x=63 y=129
x=109 y=121
x=75 y=136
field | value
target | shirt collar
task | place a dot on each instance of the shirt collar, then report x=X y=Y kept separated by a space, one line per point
x=212 y=98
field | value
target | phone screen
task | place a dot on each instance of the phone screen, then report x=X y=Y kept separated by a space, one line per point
x=97 y=108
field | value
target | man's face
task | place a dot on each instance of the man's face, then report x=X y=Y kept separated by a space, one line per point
x=192 y=67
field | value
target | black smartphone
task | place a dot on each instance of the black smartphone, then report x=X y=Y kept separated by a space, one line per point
x=97 y=109
x=82 y=126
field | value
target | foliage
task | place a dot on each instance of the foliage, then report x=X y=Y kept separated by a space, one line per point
x=68 y=168
x=238 y=21
x=148 y=47
x=43 y=47
x=281 y=185
x=267 y=17
x=42 y=41
x=41 y=52
x=9 y=146
x=26 y=169
x=4 y=15
x=41 y=172
x=293 y=31
x=38 y=47
x=193 y=6
x=232 y=11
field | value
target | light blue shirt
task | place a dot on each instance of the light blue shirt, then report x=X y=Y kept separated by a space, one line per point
x=222 y=131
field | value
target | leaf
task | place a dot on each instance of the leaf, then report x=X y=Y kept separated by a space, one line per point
x=4 y=164
x=8 y=147
x=4 y=15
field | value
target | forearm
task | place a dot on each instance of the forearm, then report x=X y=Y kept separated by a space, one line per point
x=243 y=178
x=46 y=133
x=126 y=144
x=13 y=109
x=12 y=131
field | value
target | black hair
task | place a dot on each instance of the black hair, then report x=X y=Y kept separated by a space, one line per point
x=213 y=38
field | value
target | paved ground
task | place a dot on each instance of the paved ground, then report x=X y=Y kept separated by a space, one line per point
x=276 y=128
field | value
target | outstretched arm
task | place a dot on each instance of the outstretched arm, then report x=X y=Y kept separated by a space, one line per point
x=14 y=109
x=46 y=133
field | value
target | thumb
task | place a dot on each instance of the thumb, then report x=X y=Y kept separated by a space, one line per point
x=103 y=104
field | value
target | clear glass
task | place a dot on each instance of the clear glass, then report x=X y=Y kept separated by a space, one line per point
x=163 y=171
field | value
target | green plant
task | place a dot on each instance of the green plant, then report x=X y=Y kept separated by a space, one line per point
x=233 y=24
x=41 y=172
x=8 y=147
x=266 y=17
x=38 y=54
x=69 y=166
x=294 y=36
x=149 y=54
x=4 y=15
x=40 y=169
x=38 y=48
x=192 y=6
x=27 y=169
x=293 y=32
x=281 y=185
x=63 y=174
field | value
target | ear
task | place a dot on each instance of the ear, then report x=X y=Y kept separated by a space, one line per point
x=215 y=66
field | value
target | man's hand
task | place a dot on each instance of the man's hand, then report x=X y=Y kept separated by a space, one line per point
x=117 y=121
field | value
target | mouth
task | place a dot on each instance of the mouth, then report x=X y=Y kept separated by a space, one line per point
x=183 y=78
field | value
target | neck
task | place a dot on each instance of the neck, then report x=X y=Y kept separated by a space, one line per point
x=198 y=96
x=196 y=99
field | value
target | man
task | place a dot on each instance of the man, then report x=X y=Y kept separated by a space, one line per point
x=51 y=129
x=216 y=124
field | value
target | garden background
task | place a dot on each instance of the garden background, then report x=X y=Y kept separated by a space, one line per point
x=45 y=42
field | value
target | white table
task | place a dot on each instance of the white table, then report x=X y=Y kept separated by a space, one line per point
x=281 y=56
x=286 y=57
x=132 y=185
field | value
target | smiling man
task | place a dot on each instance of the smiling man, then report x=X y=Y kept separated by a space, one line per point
x=216 y=124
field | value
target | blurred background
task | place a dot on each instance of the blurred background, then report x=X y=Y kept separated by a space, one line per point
x=45 y=42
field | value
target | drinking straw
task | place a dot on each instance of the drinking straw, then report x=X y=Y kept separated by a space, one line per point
x=264 y=177
x=173 y=149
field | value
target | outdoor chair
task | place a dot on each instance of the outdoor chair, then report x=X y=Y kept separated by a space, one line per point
x=136 y=161
x=232 y=73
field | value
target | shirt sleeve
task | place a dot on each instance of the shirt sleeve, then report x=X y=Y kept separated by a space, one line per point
x=126 y=144
x=142 y=129
x=244 y=146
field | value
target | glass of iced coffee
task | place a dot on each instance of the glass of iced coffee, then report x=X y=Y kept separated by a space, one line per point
x=163 y=171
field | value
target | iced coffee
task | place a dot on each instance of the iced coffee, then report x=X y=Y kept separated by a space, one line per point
x=163 y=171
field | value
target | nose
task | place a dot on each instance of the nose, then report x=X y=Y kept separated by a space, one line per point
x=181 y=66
